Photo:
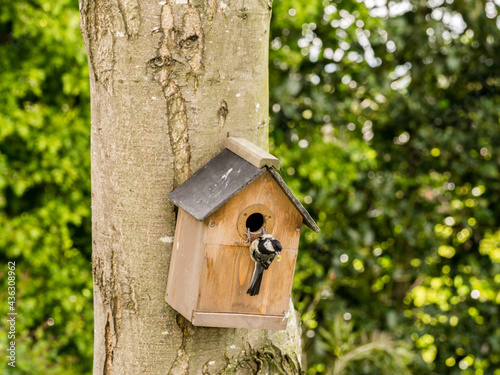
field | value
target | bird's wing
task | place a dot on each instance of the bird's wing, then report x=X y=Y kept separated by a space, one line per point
x=259 y=257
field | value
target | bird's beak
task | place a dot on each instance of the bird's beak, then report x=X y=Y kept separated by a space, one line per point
x=278 y=256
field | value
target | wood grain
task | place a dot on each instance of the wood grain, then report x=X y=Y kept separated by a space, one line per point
x=226 y=275
x=228 y=320
x=251 y=153
x=264 y=190
x=186 y=264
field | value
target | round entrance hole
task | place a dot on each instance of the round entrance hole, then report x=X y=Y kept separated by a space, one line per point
x=255 y=222
x=255 y=217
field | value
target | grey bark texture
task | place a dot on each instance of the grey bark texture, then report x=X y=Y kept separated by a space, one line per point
x=169 y=81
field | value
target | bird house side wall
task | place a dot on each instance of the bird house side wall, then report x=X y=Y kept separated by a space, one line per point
x=186 y=264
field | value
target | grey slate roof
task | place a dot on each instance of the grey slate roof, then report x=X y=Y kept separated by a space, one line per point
x=221 y=179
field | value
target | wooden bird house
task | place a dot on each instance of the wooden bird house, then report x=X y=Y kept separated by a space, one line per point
x=211 y=267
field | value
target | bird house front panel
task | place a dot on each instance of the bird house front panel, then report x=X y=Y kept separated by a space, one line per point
x=286 y=219
x=226 y=275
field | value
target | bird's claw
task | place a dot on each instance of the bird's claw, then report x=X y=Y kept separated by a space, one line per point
x=248 y=233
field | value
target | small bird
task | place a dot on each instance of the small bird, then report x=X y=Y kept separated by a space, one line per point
x=263 y=250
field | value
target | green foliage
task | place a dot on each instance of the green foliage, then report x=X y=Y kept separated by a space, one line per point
x=386 y=119
x=45 y=186
x=377 y=353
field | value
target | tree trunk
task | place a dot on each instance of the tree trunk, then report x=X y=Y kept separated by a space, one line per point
x=169 y=81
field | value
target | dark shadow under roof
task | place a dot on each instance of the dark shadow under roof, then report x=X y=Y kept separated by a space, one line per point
x=221 y=179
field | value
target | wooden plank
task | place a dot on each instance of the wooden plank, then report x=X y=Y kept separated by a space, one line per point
x=265 y=191
x=186 y=264
x=251 y=153
x=214 y=184
x=228 y=320
x=226 y=275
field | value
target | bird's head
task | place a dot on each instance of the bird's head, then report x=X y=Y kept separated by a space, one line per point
x=271 y=243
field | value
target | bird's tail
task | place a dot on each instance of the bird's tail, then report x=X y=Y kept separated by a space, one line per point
x=254 y=287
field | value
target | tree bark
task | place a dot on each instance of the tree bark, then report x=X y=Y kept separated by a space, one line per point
x=169 y=81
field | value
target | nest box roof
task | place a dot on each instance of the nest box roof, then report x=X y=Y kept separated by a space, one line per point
x=225 y=176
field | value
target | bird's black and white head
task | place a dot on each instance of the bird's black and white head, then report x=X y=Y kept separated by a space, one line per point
x=268 y=244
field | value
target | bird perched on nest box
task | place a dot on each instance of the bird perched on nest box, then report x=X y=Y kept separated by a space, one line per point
x=263 y=250
x=237 y=191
